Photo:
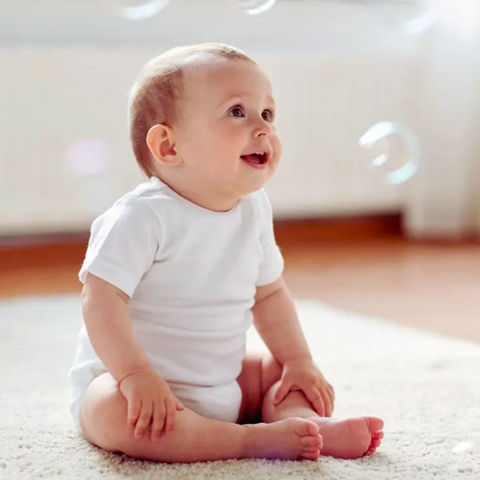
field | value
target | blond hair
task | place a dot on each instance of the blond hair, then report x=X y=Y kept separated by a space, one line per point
x=157 y=89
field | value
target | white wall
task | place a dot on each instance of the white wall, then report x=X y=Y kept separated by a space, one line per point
x=291 y=26
x=66 y=68
x=444 y=198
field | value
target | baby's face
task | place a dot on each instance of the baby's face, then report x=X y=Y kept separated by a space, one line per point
x=226 y=135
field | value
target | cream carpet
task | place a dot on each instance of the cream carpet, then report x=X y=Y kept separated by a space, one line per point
x=426 y=388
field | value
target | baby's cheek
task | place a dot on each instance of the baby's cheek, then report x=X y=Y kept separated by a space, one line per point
x=277 y=147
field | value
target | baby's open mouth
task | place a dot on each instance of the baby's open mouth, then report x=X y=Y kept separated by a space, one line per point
x=255 y=158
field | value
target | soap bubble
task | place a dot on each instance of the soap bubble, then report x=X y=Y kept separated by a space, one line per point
x=255 y=7
x=397 y=146
x=137 y=9
x=89 y=157
x=413 y=17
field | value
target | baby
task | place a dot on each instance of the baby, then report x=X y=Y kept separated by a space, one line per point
x=176 y=272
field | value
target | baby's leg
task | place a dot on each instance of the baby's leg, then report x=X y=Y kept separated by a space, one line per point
x=350 y=438
x=103 y=418
x=259 y=381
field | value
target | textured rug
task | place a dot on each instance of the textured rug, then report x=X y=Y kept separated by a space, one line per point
x=425 y=387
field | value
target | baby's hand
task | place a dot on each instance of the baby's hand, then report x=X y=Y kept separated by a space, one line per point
x=150 y=401
x=304 y=375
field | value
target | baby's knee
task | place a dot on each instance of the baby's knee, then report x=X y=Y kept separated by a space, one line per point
x=103 y=418
x=271 y=373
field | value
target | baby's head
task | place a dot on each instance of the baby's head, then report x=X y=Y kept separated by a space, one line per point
x=198 y=117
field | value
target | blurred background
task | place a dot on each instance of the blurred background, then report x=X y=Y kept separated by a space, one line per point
x=377 y=199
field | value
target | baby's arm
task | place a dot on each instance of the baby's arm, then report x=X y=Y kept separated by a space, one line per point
x=276 y=321
x=105 y=310
x=109 y=328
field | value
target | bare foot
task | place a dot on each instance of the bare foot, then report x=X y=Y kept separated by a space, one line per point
x=290 y=439
x=352 y=438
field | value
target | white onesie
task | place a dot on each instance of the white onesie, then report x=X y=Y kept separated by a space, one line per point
x=191 y=274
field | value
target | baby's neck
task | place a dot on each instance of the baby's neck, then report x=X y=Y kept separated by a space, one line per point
x=198 y=197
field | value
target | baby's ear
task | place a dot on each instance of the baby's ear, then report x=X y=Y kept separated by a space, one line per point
x=161 y=143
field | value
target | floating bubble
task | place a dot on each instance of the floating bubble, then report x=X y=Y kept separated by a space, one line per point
x=255 y=7
x=137 y=9
x=412 y=18
x=405 y=153
x=89 y=157
x=462 y=447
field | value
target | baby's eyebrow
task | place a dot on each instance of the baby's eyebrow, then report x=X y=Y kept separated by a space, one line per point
x=238 y=98
x=271 y=100
x=230 y=99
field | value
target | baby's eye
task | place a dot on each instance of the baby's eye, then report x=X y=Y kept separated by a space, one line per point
x=236 y=111
x=268 y=115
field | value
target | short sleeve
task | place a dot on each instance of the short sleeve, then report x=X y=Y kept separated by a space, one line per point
x=123 y=244
x=271 y=267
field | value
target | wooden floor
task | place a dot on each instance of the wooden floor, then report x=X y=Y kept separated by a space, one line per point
x=431 y=286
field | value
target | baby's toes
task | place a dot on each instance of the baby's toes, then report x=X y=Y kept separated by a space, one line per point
x=312 y=441
x=304 y=428
x=311 y=454
x=374 y=424
x=370 y=451
x=375 y=442
x=378 y=435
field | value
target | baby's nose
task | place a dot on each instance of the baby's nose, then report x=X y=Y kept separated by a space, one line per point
x=263 y=128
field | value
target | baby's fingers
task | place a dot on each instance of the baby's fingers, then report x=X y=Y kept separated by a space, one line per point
x=331 y=393
x=316 y=399
x=158 y=420
x=281 y=392
x=328 y=404
x=144 y=419
x=134 y=407
x=330 y=396
x=170 y=417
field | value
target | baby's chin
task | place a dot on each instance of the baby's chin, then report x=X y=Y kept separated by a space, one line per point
x=252 y=187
